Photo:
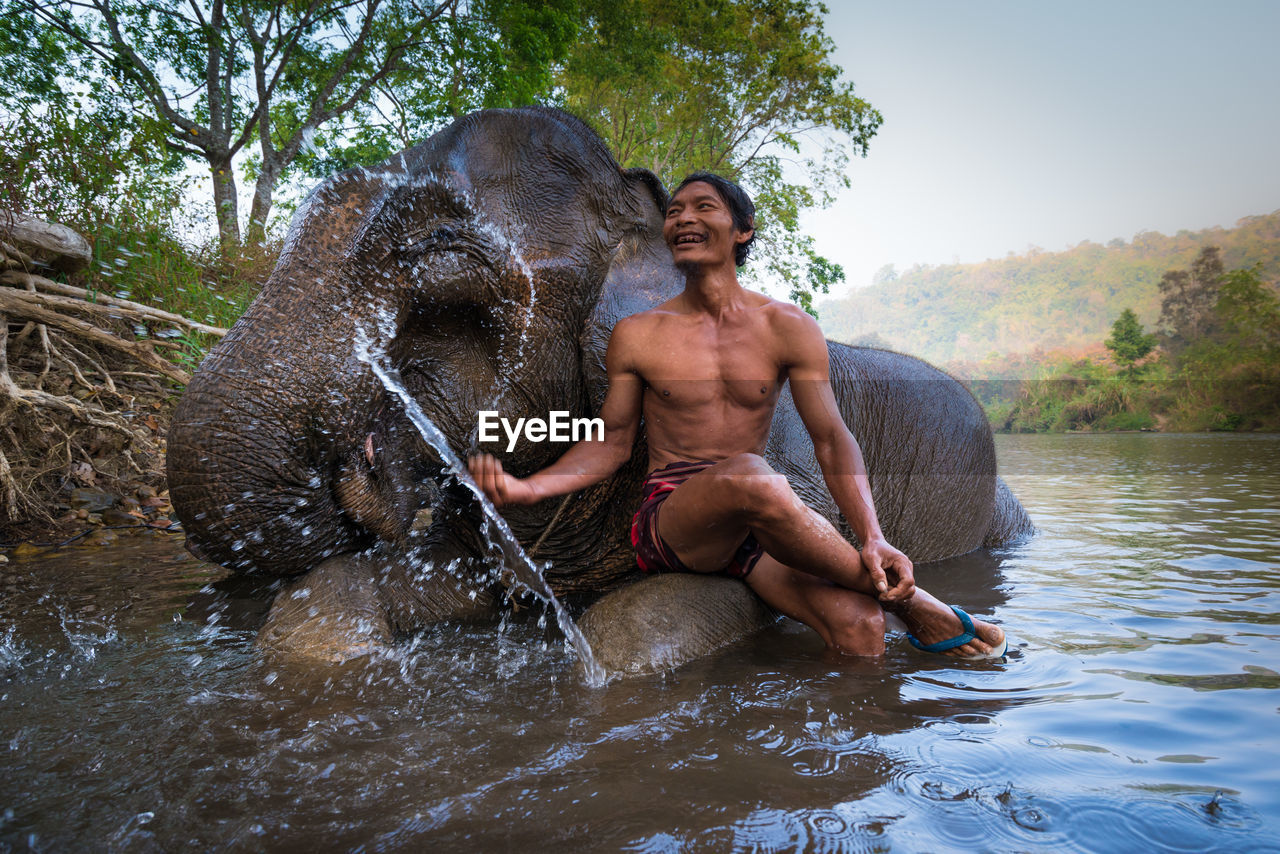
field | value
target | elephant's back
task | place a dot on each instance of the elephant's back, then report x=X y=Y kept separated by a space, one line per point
x=927 y=445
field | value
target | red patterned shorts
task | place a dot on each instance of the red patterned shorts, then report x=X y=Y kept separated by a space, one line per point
x=653 y=555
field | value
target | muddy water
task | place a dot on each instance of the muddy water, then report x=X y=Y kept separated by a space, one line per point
x=1137 y=710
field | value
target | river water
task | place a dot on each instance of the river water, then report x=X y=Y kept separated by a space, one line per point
x=1137 y=709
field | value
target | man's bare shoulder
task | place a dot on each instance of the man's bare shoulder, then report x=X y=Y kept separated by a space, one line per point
x=630 y=334
x=790 y=318
x=638 y=324
x=796 y=331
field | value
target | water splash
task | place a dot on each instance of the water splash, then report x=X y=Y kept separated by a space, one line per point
x=86 y=635
x=12 y=651
x=495 y=529
x=523 y=310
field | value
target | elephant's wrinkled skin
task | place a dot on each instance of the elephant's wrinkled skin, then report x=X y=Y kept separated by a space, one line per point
x=495 y=258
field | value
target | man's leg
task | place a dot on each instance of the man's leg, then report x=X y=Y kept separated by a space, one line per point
x=708 y=516
x=848 y=621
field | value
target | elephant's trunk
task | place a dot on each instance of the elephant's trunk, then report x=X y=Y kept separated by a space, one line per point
x=254 y=447
x=245 y=474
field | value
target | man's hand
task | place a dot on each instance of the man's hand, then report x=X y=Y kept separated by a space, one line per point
x=891 y=571
x=500 y=487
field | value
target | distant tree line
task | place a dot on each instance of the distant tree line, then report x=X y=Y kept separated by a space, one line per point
x=1047 y=300
x=1212 y=364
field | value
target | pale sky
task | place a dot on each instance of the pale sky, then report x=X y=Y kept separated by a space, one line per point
x=1011 y=124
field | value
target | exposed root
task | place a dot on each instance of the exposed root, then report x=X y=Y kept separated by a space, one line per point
x=83 y=403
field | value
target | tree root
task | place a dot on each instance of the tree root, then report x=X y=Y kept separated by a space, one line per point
x=45 y=310
x=82 y=402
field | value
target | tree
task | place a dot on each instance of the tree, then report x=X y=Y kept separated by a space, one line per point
x=219 y=75
x=1128 y=342
x=495 y=53
x=886 y=274
x=1187 y=298
x=1248 y=313
x=74 y=155
x=745 y=88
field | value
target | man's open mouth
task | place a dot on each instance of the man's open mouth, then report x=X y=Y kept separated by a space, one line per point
x=684 y=239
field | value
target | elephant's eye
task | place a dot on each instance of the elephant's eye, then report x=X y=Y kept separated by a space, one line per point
x=434 y=237
x=443 y=234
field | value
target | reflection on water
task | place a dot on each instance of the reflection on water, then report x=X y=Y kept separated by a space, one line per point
x=1137 y=710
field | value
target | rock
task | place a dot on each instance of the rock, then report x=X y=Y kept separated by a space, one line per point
x=81 y=513
x=48 y=243
x=93 y=500
x=26 y=550
x=160 y=522
x=98 y=539
x=130 y=504
x=116 y=516
x=331 y=614
x=94 y=518
x=83 y=474
x=144 y=492
x=4 y=558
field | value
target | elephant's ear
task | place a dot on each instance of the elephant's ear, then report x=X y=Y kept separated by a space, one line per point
x=641 y=274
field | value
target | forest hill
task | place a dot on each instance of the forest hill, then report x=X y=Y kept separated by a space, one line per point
x=1037 y=300
x=1214 y=364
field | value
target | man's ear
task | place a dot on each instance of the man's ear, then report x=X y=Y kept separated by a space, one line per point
x=641 y=274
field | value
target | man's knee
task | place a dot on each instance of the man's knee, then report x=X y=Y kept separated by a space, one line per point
x=744 y=464
x=760 y=490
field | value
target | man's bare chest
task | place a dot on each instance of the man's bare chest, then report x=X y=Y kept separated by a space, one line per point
x=697 y=370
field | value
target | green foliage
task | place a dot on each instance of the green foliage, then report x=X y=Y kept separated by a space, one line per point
x=72 y=150
x=491 y=53
x=1231 y=374
x=1052 y=300
x=222 y=77
x=744 y=88
x=1073 y=395
x=1128 y=343
x=1247 y=314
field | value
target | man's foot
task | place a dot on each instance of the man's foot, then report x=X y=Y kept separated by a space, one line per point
x=950 y=631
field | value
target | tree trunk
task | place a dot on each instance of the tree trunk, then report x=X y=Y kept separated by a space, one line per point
x=262 y=201
x=224 y=201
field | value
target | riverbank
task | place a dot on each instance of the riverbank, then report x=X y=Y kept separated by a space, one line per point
x=98 y=337
x=1225 y=389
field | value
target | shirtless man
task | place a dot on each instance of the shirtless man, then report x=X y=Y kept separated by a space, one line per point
x=705 y=369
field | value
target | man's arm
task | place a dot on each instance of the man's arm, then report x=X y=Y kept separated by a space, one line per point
x=809 y=371
x=587 y=462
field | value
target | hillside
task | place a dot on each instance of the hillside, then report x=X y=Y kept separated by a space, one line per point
x=1047 y=300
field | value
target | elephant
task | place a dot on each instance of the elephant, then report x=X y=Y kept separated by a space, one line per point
x=488 y=266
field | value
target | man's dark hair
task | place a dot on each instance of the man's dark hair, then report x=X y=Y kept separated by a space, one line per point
x=741 y=208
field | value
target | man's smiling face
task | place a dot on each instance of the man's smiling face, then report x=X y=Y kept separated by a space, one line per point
x=699 y=227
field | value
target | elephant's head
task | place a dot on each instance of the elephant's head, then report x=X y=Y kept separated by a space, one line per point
x=486 y=266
